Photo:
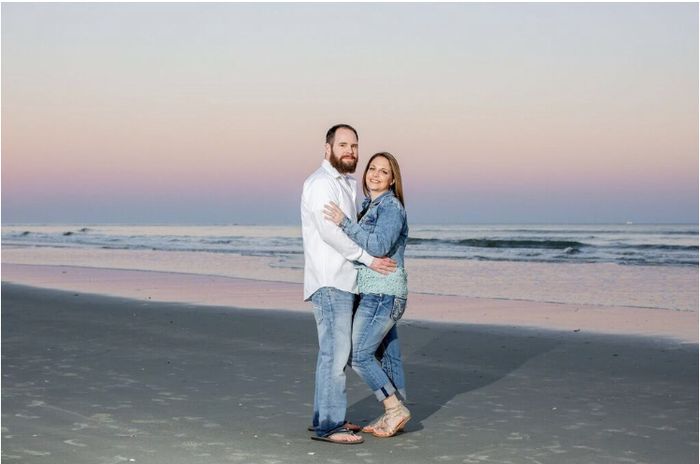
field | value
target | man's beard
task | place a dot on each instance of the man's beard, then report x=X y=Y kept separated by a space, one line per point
x=343 y=166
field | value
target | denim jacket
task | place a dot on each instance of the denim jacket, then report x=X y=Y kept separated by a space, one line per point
x=382 y=231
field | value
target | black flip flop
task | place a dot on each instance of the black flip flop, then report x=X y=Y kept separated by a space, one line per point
x=327 y=438
x=348 y=425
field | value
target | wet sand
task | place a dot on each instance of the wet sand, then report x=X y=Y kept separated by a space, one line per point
x=96 y=379
x=220 y=290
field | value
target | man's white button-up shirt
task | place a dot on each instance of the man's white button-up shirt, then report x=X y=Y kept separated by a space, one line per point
x=328 y=252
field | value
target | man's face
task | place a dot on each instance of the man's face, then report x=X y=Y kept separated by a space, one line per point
x=343 y=154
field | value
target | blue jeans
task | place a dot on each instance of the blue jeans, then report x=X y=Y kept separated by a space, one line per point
x=333 y=310
x=374 y=334
x=389 y=354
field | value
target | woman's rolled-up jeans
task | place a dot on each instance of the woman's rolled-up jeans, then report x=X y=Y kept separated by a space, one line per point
x=373 y=330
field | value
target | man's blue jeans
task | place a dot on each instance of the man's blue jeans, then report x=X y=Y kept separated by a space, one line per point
x=374 y=328
x=333 y=310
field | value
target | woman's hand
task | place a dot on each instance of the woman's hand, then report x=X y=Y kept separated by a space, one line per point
x=333 y=213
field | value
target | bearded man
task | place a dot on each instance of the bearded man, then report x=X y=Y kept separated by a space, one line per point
x=330 y=279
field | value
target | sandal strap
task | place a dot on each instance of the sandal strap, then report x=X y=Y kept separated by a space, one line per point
x=400 y=409
x=340 y=429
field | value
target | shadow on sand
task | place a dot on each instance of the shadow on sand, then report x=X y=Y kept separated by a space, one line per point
x=443 y=361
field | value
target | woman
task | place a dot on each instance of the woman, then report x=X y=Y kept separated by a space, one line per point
x=382 y=230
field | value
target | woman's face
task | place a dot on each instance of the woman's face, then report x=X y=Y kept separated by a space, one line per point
x=379 y=176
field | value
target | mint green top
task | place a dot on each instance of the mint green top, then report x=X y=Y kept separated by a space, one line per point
x=396 y=283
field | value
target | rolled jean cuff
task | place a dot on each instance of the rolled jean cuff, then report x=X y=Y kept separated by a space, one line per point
x=385 y=392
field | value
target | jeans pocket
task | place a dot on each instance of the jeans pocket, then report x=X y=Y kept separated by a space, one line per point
x=398 y=309
x=318 y=314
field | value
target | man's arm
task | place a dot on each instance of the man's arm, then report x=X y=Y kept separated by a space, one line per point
x=319 y=192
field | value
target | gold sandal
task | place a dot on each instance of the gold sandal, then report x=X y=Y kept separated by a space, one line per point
x=399 y=415
x=369 y=428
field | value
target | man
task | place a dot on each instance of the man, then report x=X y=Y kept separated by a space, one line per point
x=330 y=278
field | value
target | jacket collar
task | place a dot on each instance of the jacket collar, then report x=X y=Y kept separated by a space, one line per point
x=376 y=201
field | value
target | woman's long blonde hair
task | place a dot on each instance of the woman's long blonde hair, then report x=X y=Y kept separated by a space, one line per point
x=397 y=185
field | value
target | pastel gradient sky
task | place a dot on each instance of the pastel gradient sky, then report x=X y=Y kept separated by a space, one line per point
x=215 y=113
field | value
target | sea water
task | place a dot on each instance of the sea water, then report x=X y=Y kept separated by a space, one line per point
x=643 y=265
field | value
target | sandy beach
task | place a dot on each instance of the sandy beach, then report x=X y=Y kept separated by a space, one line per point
x=96 y=379
x=218 y=290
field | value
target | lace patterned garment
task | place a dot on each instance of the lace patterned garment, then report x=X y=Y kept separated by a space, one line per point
x=395 y=283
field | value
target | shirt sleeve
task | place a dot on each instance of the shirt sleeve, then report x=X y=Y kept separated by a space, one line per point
x=320 y=193
x=387 y=230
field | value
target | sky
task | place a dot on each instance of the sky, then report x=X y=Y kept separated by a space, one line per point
x=215 y=113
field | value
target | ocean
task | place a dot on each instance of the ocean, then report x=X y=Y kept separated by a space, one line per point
x=627 y=244
x=636 y=265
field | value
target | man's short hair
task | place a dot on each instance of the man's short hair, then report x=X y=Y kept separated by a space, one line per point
x=330 y=135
